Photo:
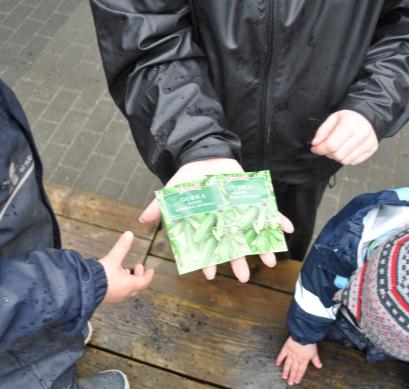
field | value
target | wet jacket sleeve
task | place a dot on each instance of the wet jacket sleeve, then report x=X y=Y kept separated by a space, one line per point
x=312 y=310
x=53 y=288
x=159 y=79
x=381 y=90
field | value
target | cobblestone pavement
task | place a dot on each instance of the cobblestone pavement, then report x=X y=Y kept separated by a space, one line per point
x=48 y=53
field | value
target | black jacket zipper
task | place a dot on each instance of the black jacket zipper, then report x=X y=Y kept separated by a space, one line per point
x=267 y=64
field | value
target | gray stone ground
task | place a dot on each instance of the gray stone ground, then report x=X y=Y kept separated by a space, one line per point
x=48 y=53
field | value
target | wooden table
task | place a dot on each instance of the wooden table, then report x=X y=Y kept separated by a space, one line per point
x=186 y=332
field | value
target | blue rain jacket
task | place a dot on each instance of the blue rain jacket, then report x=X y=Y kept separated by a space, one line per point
x=339 y=250
x=42 y=288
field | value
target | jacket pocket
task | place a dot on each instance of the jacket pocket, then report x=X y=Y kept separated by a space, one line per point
x=335 y=261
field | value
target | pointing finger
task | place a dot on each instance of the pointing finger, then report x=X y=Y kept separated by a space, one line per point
x=121 y=247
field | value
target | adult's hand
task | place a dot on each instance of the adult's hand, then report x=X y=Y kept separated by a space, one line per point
x=121 y=283
x=347 y=137
x=195 y=171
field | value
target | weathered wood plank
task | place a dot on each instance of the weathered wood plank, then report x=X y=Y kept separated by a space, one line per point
x=282 y=277
x=98 y=210
x=223 y=295
x=139 y=374
x=208 y=338
x=188 y=339
x=346 y=368
x=221 y=332
x=95 y=242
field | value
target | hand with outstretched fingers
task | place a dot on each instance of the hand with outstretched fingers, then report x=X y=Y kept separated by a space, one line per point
x=346 y=137
x=297 y=358
x=196 y=171
x=122 y=284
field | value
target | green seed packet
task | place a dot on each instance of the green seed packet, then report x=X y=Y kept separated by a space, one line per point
x=192 y=215
x=220 y=218
x=253 y=210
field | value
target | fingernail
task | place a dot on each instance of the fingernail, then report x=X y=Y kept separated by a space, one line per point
x=128 y=234
x=141 y=220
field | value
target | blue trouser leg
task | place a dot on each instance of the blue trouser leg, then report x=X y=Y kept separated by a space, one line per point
x=344 y=333
x=43 y=362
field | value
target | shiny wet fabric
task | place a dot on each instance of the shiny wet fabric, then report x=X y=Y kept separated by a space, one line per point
x=46 y=294
x=46 y=361
x=252 y=79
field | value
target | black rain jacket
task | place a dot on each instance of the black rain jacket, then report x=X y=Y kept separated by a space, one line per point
x=252 y=79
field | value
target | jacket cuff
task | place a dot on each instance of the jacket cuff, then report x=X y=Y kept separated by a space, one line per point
x=368 y=113
x=200 y=153
x=305 y=328
x=100 y=280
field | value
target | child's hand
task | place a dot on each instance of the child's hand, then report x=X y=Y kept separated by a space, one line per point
x=297 y=357
x=121 y=283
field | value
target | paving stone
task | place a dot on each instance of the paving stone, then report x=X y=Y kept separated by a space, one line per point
x=25 y=89
x=404 y=142
x=64 y=175
x=327 y=209
x=60 y=41
x=387 y=153
x=111 y=188
x=34 y=3
x=90 y=95
x=68 y=6
x=48 y=88
x=100 y=117
x=17 y=16
x=358 y=172
x=34 y=109
x=53 y=24
x=125 y=163
x=8 y=5
x=26 y=31
x=42 y=132
x=44 y=11
x=5 y=32
x=402 y=171
x=86 y=35
x=80 y=150
x=350 y=189
x=45 y=68
x=69 y=128
x=112 y=139
x=3 y=16
x=9 y=51
x=13 y=73
x=34 y=48
x=61 y=103
x=92 y=173
x=70 y=59
x=51 y=155
x=140 y=189
x=381 y=178
x=80 y=17
x=92 y=54
x=88 y=70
